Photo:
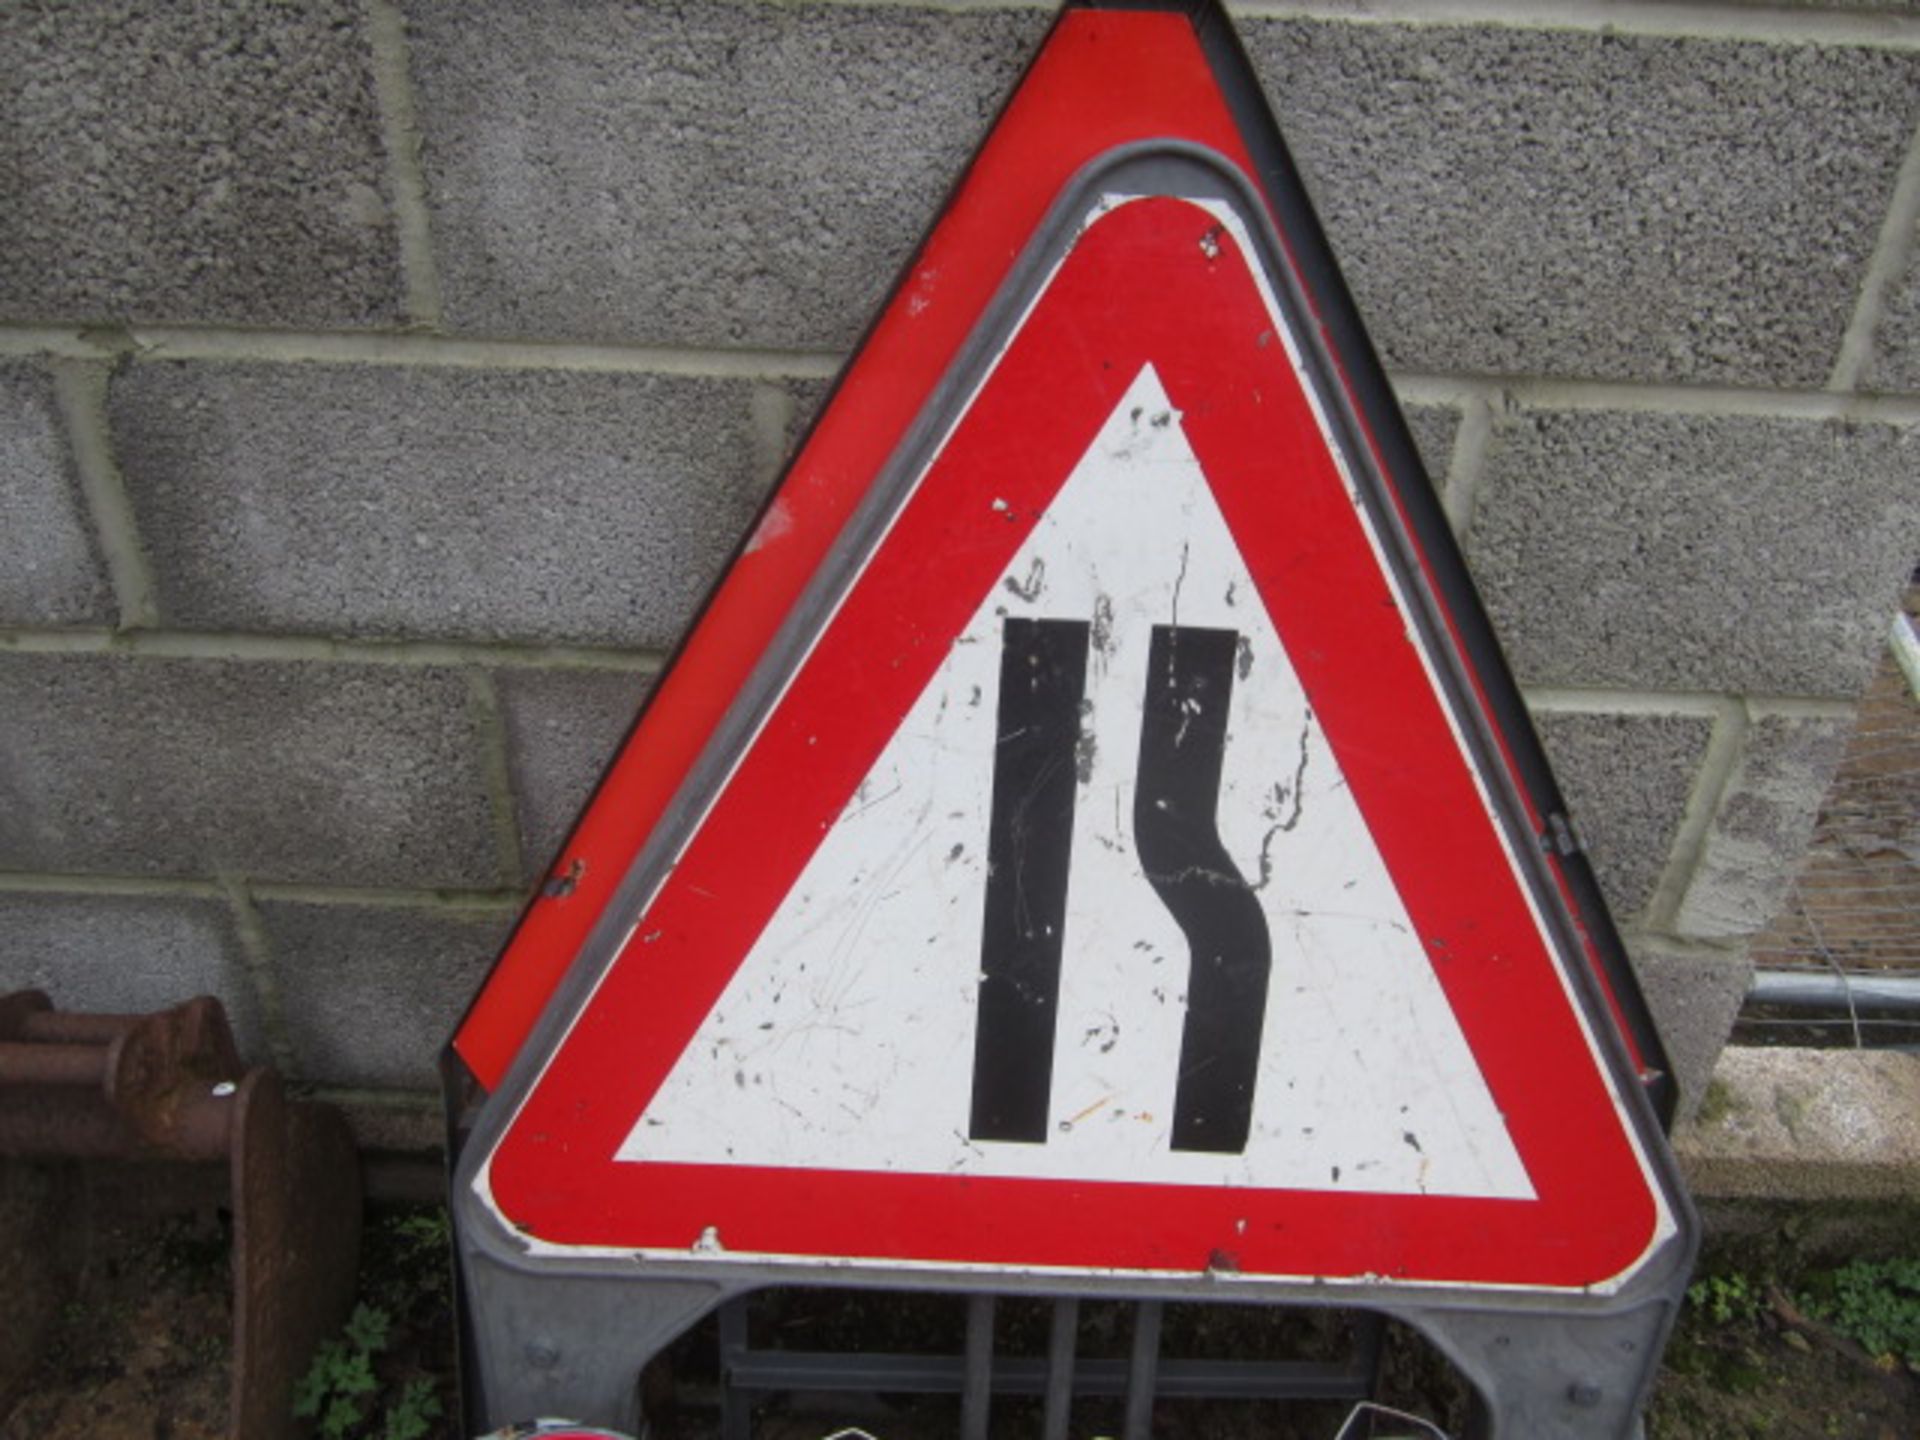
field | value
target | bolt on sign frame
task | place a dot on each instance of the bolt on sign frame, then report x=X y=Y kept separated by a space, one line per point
x=1112 y=510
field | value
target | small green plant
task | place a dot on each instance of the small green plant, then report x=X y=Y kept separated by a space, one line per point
x=412 y=1414
x=340 y=1390
x=1875 y=1303
x=1728 y=1299
x=408 y=1267
x=367 y=1383
x=334 y=1392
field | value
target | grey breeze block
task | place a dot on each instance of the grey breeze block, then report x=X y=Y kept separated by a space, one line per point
x=50 y=571
x=1759 y=831
x=1626 y=779
x=1694 y=995
x=1503 y=200
x=203 y=161
x=1688 y=552
x=1895 y=364
x=696 y=173
x=469 y=504
x=372 y=993
x=128 y=954
x=563 y=727
x=1434 y=429
x=342 y=774
x=1516 y=201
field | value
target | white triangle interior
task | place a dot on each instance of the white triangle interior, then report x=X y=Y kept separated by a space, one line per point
x=845 y=1040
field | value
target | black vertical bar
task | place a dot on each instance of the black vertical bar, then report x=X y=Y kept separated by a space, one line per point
x=976 y=1398
x=1480 y=1422
x=1043 y=679
x=736 y=1406
x=1369 y=1337
x=1183 y=741
x=1061 y=1341
x=1143 y=1367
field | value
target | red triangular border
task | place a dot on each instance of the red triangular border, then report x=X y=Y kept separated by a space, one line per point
x=1153 y=281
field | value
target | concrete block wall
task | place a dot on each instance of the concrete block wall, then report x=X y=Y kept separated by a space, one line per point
x=381 y=382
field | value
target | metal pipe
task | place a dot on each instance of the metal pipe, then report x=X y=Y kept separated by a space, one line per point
x=1143 y=1363
x=1062 y=1341
x=736 y=1400
x=1829 y=990
x=66 y=1122
x=759 y=1372
x=64 y=1027
x=976 y=1394
x=201 y=1127
x=52 y=1064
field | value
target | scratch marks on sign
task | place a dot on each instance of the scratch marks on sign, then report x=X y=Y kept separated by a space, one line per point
x=776 y=523
x=1293 y=793
x=1101 y=636
x=1029 y=589
x=1095 y=1108
x=1087 y=748
x=561 y=885
x=863 y=803
x=1288 y=797
x=1105 y=1035
x=836 y=1000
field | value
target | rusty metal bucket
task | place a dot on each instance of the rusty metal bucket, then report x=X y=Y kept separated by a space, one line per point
x=170 y=1087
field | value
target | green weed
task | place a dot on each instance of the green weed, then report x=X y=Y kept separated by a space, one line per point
x=335 y=1392
x=1726 y=1299
x=334 y=1389
x=364 y=1384
x=1875 y=1303
x=412 y=1414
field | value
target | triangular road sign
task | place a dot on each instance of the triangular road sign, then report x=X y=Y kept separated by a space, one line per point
x=1078 y=836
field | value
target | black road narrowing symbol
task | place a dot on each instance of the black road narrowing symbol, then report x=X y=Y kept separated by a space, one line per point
x=1043 y=679
x=1183 y=734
